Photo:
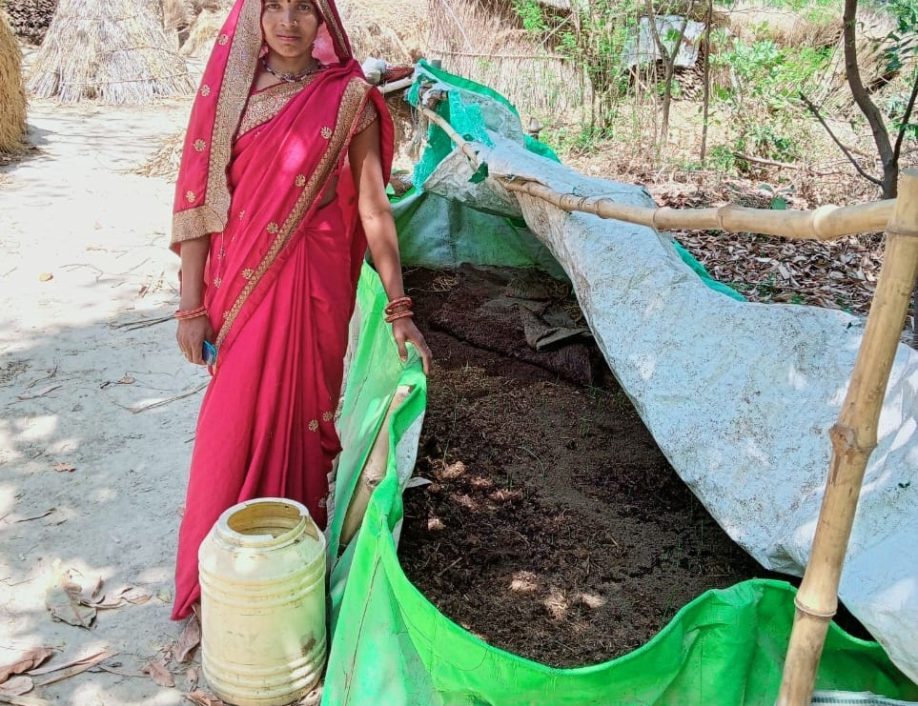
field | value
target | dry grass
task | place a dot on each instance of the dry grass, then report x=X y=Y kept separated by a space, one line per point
x=165 y=163
x=487 y=46
x=12 y=96
x=203 y=32
x=387 y=30
x=114 y=51
x=752 y=21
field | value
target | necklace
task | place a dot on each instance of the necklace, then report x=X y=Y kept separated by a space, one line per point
x=288 y=77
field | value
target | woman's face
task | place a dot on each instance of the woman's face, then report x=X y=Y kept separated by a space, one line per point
x=290 y=27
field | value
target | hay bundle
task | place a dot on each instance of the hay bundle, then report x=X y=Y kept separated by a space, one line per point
x=115 y=51
x=388 y=30
x=167 y=159
x=178 y=15
x=876 y=37
x=487 y=45
x=203 y=32
x=12 y=97
x=30 y=18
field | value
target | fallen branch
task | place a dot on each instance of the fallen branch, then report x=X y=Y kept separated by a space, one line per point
x=142 y=323
x=162 y=403
x=815 y=111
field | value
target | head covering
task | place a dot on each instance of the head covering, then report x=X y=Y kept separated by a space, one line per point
x=202 y=197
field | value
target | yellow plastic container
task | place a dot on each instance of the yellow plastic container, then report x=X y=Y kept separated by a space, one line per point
x=262 y=574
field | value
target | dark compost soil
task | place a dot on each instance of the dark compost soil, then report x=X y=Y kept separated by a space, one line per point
x=554 y=527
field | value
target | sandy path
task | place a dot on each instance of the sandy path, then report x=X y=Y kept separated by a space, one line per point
x=75 y=212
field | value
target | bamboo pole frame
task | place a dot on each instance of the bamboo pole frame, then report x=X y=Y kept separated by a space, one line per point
x=854 y=436
x=824 y=223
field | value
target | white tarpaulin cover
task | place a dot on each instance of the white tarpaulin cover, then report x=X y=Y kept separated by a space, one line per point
x=739 y=396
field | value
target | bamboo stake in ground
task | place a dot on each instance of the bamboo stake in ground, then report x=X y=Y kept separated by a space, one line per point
x=854 y=437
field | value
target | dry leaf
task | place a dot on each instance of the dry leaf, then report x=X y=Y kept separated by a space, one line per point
x=38 y=517
x=127 y=380
x=36 y=395
x=202 y=698
x=95 y=595
x=64 y=467
x=135 y=596
x=17 y=686
x=126 y=595
x=31 y=659
x=71 y=668
x=188 y=640
x=64 y=601
x=159 y=674
x=192 y=677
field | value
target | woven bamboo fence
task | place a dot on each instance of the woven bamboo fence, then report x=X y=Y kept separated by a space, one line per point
x=854 y=436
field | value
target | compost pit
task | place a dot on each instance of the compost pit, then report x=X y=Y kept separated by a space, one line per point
x=553 y=527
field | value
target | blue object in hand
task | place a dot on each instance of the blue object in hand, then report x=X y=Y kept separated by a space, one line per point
x=209 y=353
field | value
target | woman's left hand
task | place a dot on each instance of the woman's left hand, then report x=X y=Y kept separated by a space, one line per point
x=404 y=330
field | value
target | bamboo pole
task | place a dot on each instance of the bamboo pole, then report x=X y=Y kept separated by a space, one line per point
x=824 y=223
x=854 y=437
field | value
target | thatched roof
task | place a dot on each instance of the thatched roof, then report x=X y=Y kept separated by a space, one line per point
x=30 y=18
x=112 y=50
x=12 y=97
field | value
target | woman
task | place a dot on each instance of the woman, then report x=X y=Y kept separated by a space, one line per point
x=280 y=191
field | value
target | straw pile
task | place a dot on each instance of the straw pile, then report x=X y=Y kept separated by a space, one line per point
x=167 y=159
x=115 y=51
x=487 y=45
x=30 y=18
x=203 y=32
x=394 y=31
x=12 y=97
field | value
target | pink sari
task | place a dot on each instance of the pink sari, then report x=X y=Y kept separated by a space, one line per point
x=280 y=278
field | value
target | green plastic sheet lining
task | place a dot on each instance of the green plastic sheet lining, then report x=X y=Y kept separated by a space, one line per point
x=436 y=233
x=392 y=647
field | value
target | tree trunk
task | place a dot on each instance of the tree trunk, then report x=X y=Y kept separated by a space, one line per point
x=867 y=106
x=706 y=46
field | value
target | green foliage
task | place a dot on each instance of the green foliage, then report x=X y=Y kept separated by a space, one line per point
x=530 y=12
x=775 y=75
x=905 y=12
x=586 y=138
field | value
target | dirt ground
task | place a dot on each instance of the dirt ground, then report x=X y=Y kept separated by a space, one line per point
x=554 y=527
x=95 y=415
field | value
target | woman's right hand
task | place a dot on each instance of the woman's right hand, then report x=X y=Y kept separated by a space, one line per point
x=191 y=335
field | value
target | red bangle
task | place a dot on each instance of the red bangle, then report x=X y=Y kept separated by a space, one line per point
x=398 y=303
x=190 y=313
x=399 y=315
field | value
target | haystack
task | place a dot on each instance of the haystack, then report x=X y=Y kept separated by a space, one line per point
x=115 y=51
x=30 y=18
x=386 y=30
x=12 y=97
x=203 y=32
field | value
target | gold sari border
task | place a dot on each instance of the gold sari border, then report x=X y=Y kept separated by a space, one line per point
x=234 y=93
x=194 y=223
x=351 y=103
x=264 y=106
